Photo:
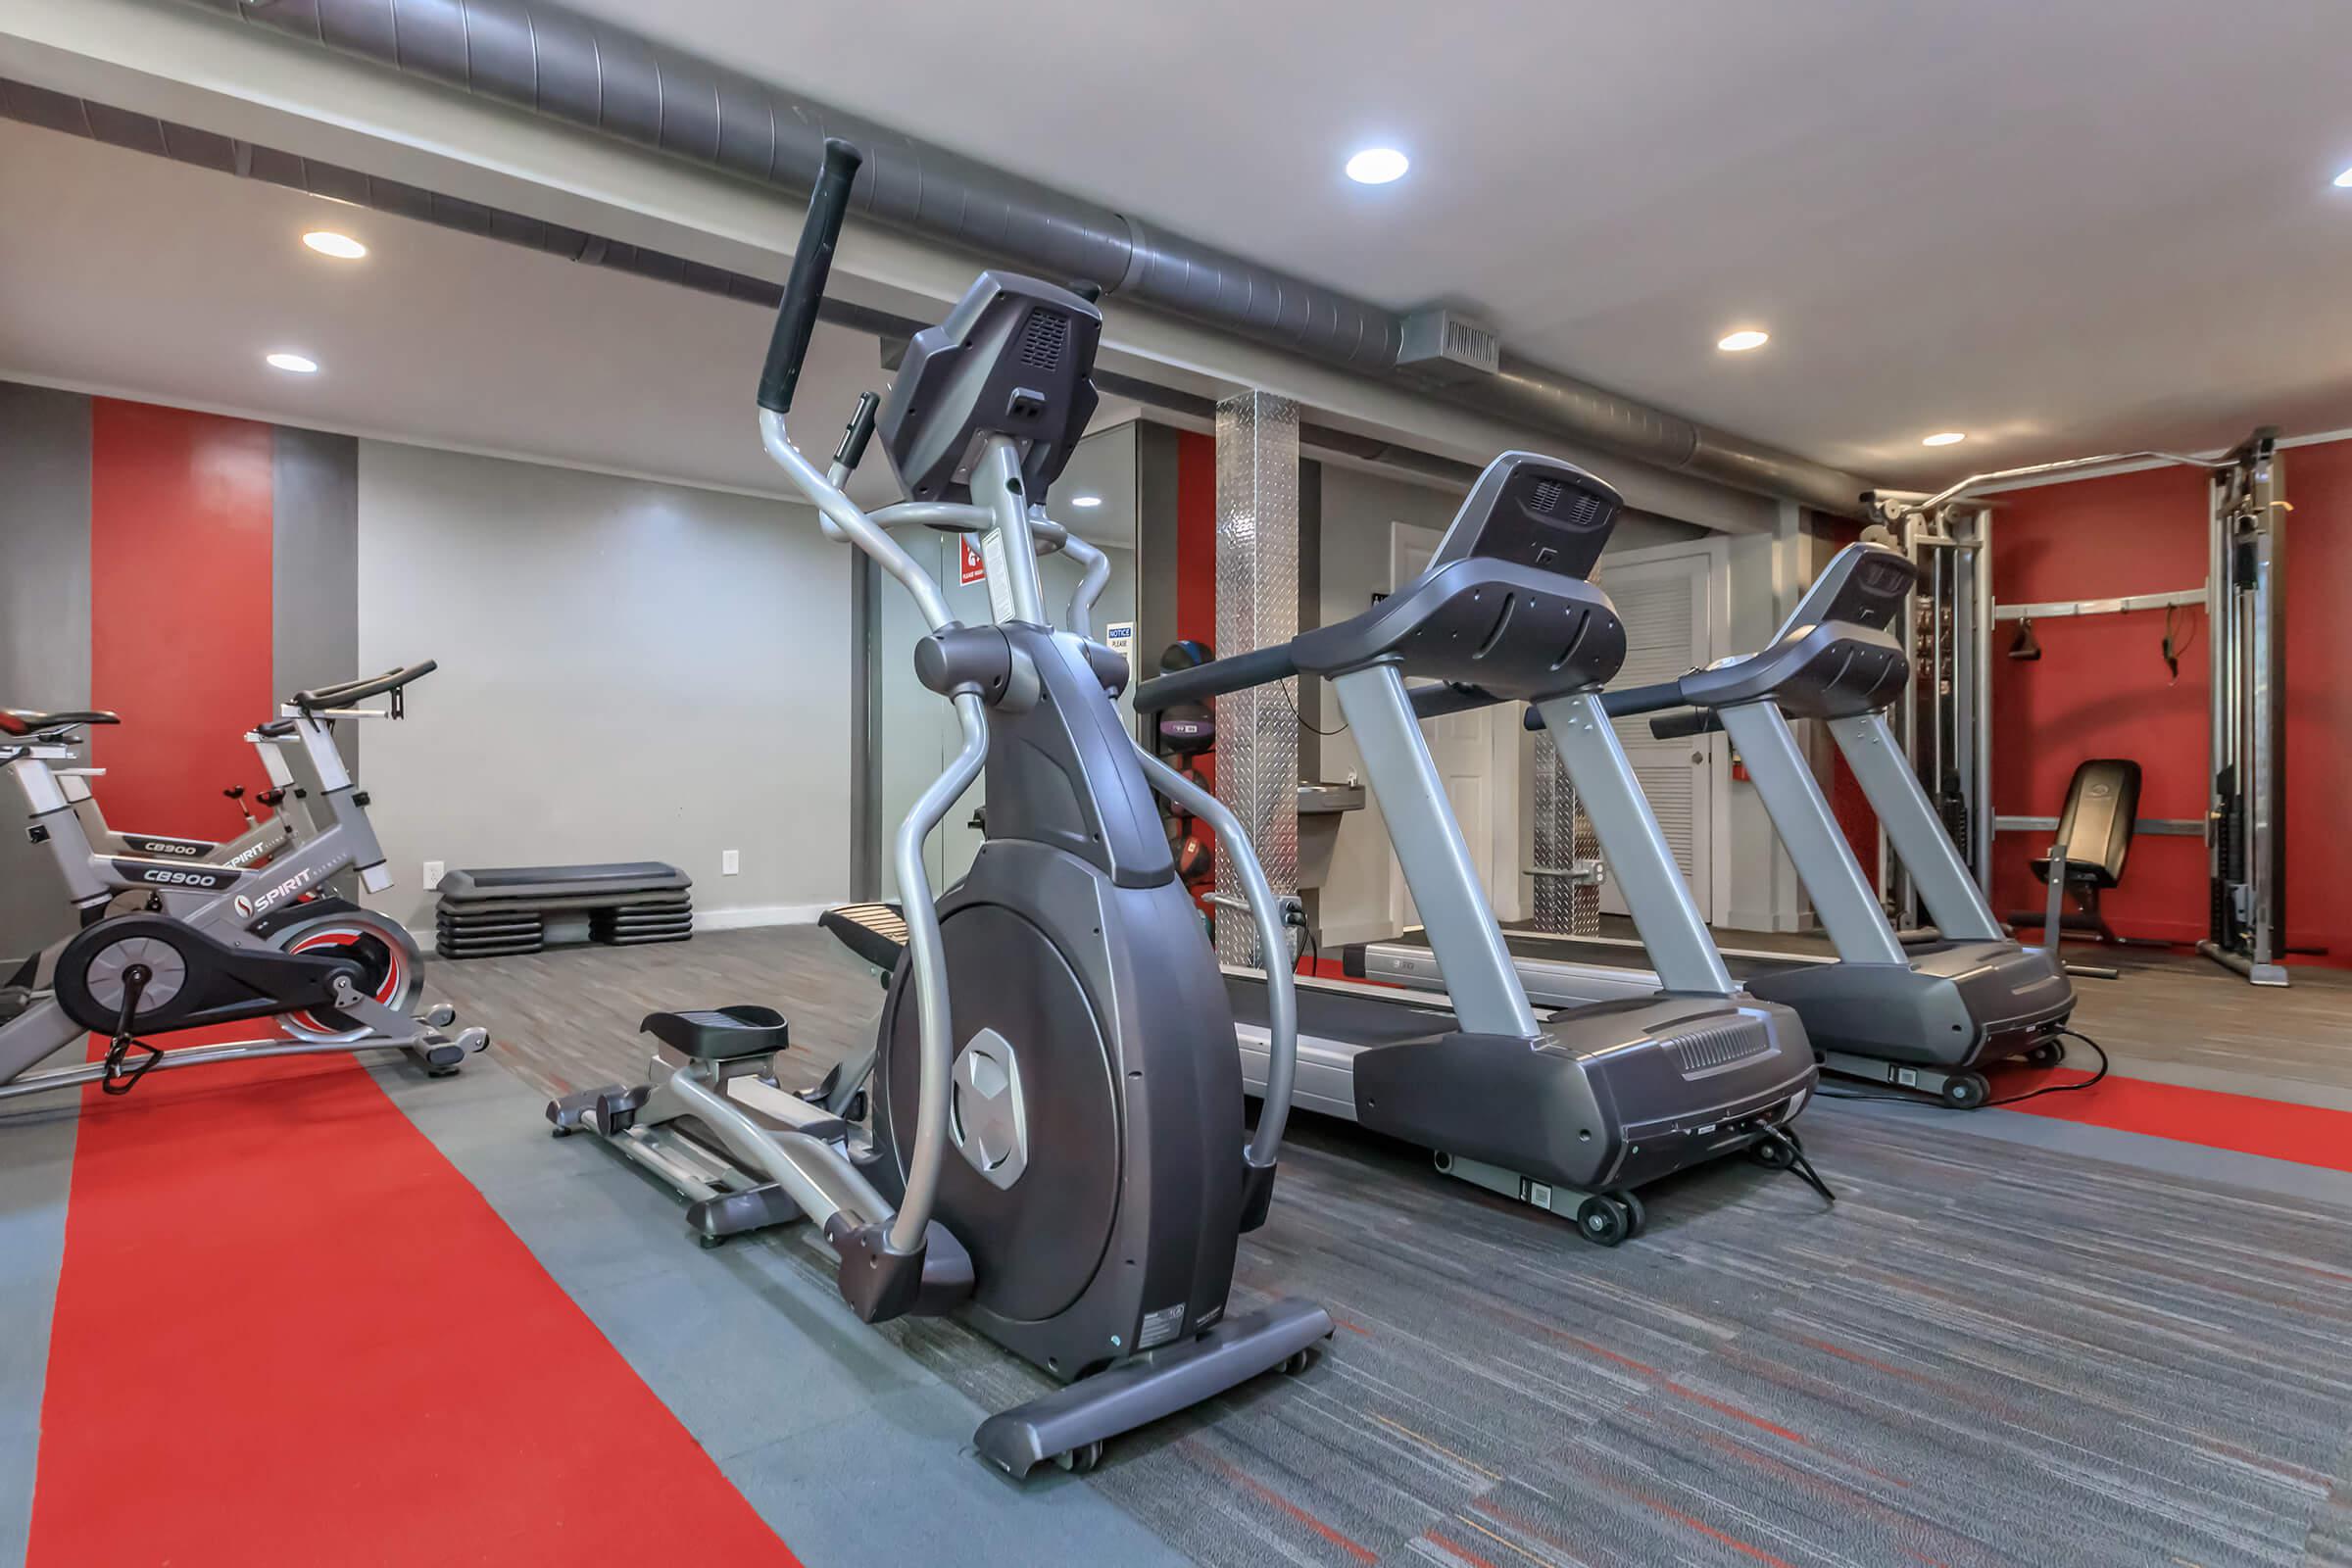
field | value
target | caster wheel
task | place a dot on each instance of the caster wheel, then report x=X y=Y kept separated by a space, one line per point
x=2050 y=1053
x=1297 y=1362
x=1771 y=1154
x=559 y=1132
x=1604 y=1221
x=1965 y=1092
x=1637 y=1217
x=1081 y=1459
x=709 y=1244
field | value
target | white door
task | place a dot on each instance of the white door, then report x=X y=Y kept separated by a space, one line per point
x=1460 y=743
x=1669 y=631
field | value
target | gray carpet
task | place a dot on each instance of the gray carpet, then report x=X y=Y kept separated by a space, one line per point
x=1990 y=1352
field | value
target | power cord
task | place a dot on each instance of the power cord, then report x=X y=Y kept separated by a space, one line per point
x=1989 y=1105
x=2061 y=1089
x=1291 y=697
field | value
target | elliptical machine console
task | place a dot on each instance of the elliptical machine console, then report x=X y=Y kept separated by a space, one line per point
x=1056 y=1151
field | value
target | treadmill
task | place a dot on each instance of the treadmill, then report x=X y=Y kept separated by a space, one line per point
x=1573 y=1110
x=1924 y=1015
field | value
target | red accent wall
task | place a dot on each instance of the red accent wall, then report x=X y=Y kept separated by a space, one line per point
x=180 y=541
x=2318 y=698
x=2101 y=688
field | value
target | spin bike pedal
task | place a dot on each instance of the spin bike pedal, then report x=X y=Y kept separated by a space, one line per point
x=118 y=1081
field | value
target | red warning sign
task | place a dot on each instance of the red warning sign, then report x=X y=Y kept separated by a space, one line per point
x=968 y=555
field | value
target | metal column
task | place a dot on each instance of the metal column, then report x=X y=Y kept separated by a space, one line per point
x=2245 y=593
x=1258 y=607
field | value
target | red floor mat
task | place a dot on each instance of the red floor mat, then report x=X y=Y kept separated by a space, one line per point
x=2307 y=1135
x=289 y=1332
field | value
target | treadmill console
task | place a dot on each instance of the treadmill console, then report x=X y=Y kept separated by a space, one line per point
x=1536 y=511
x=1864 y=584
x=1837 y=655
x=1505 y=605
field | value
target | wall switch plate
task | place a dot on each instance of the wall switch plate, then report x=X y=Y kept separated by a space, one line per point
x=730 y=862
x=432 y=874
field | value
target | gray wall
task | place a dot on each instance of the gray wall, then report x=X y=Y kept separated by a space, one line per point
x=44 y=619
x=314 y=567
x=1357 y=508
x=629 y=670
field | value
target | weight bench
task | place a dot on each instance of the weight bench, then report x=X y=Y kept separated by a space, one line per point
x=2094 y=839
x=503 y=911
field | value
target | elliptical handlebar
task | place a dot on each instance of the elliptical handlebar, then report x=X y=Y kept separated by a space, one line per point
x=812 y=265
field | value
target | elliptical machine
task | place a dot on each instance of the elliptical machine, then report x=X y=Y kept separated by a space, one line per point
x=224 y=944
x=1056 y=1151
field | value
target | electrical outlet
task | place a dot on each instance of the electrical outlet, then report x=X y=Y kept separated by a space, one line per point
x=730 y=862
x=432 y=874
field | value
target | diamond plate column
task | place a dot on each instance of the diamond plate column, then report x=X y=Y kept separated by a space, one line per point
x=1566 y=849
x=1258 y=607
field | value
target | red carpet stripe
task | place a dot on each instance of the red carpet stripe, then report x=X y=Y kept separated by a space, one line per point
x=2307 y=1135
x=289 y=1332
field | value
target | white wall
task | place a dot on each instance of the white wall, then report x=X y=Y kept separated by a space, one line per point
x=629 y=670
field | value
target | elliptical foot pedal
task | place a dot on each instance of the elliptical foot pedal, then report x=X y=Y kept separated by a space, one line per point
x=1077 y=1419
x=715 y=1219
x=720 y=1034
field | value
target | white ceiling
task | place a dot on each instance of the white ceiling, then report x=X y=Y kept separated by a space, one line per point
x=163 y=281
x=2061 y=225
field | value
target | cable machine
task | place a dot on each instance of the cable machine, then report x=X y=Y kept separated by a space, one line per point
x=1944 y=721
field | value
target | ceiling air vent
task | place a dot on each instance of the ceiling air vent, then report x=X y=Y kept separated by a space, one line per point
x=1047 y=335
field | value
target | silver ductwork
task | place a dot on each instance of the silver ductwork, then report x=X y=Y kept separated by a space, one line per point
x=548 y=61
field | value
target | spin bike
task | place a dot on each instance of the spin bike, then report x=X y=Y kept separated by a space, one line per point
x=262 y=840
x=222 y=944
x=1056 y=1151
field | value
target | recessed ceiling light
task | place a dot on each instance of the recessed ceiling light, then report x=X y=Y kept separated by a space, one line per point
x=2345 y=180
x=342 y=247
x=1377 y=166
x=1742 y=341
x=1944 y=438
x=1085 y=501
x=299 y=363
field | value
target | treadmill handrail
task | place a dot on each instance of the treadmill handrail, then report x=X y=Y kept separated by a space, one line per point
x=1260 y=667
x=1626 y=700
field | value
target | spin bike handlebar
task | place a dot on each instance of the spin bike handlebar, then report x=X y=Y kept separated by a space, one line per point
x=365 y=687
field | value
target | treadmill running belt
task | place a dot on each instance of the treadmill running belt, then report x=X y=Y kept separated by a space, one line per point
x=1344 y=1015
x=1616 y=954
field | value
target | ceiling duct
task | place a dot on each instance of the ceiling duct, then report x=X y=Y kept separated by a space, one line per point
x=204 y=149
x=542 y=58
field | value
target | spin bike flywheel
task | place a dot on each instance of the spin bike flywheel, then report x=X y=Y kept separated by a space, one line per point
x=392 y=970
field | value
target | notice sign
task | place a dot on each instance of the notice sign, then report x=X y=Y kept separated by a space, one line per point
x=971 y=569
x=1120 y=636
x=999 y=580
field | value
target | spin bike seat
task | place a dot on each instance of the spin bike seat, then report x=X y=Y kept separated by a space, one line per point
x=26 y=721
x=720 y=1034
